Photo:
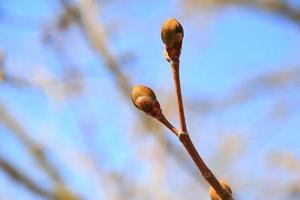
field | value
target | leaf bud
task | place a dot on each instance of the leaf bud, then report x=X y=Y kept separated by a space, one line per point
x=144 y=99
x=172 y=33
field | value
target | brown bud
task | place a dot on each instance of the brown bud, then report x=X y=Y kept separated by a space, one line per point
x=144 y=99
x=213 y=194
x=172 y=32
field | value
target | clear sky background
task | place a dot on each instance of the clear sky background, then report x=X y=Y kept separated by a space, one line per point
x=224 y=52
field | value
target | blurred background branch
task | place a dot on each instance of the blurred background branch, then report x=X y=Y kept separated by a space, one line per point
x=65 y=98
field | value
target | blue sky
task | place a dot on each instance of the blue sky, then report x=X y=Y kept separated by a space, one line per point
x=218 y=55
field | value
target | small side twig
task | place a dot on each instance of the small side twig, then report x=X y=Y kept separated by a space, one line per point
x=165 y=122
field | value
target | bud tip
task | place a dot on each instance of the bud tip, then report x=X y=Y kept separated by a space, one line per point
x=144 y=99
x=171 y=31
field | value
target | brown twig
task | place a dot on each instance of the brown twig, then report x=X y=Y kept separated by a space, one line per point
x=187 y=142
x=205 y=171
x=175 y=70
x=165 y=122
x=100 y=43
x=172 y=35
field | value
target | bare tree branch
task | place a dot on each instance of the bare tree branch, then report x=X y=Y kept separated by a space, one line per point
x=23 y=179
x=36 y=151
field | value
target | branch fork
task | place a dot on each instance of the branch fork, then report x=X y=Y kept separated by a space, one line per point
x=145 y=100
